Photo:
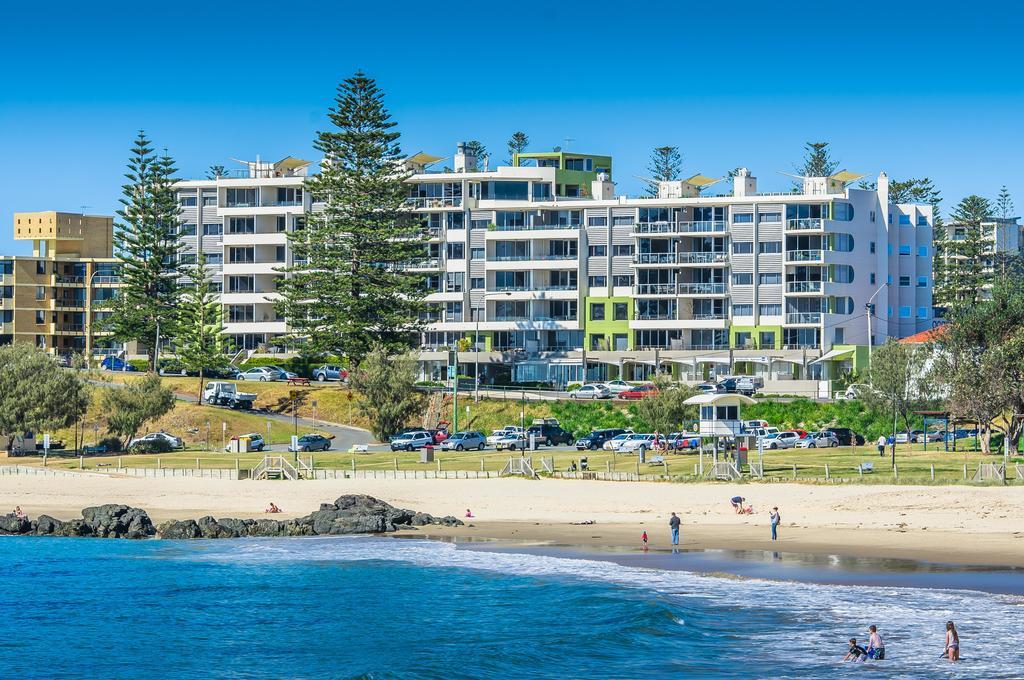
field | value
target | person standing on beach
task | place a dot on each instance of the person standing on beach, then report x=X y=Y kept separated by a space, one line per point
x=775 y=519
x=881 y=444
x=674 y=523
x=643 y=538
x=952 y=650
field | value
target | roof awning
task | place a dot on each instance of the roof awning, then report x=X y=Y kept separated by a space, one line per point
x=782 y=360
x=833 y=355
x=713 y=360
x=753 y=360
x=423 y=158
x=700 y=180
x=291 y=163
x=845 y=176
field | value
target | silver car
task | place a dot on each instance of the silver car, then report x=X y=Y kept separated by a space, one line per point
x=594 y=391
x=463 y=441
x=818 y=440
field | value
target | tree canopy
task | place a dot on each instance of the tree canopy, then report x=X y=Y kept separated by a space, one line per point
x=386 y=384
x=130 y=407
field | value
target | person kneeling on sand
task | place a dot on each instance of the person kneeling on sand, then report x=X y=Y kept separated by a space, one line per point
x=468 y=513
x=856 y=653
x=19 y=513
x=272 y=509
x=737 y=503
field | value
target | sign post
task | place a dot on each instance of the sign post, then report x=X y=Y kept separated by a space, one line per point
x=46 y=448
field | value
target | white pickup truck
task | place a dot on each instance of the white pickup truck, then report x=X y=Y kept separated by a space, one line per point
x=227 y=394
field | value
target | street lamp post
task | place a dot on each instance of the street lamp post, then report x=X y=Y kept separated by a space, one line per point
x=476 y=349
x=869 y=307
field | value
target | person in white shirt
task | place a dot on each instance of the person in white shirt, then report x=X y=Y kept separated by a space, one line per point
x=881 y=445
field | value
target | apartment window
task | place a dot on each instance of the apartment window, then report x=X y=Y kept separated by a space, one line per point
x=769 y=310
x=40 y=267
x=620 y=251
x=187 y=201
x=241 y=313
x=7 y=291
x=216 y=287
x=477 y=253
x=215 y=258
x=922 y=281
x=241 y=198
x=510 y=220
x=282 y=223
x=40 y=292
x=241 y=225
x=597 y=281
x=187 y=230
x=241 y=255
x=904 y=281
x=597 y=221
x=743 y=339
x=842 y=243
x=922 y=221
x=476 y=283
x=922 y=312
x=209 y=200
x=871 y=247
x=769 y=279
x=840 y=336
x=479 y=224
x=767 y=339
x=40 y=316
x=456 y=251
x=842 y=211
x=453 y=311
x=241 y=284
x=187 y=258
x=510 y=280
x=279 y=254
x=743 y=310
x=300 y=224
x=922 y=251
x=213 y=229
x=904 y=220
x=541 y=191
x=622 y=280
x=742 y=218
x=769 y=247
x=289 y=196
x=597 y=251
x=904 y=312
x=743 y=279
x=563 y=279
x=871 y=278
x=742 y=248
x=904 y=249
x=453 y=282
x=770 y=217
x=597 y=342
x=620 y=311
x=623 y=221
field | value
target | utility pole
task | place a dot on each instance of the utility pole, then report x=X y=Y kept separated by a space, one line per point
x=869 y=307
x=453 y=373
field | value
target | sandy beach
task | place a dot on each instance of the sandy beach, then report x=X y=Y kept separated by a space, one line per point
x=953 y=524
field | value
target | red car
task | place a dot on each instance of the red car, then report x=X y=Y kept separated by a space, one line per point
x=802 y=433
x=638 y=392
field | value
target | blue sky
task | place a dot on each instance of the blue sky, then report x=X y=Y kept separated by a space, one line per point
x=914 y=89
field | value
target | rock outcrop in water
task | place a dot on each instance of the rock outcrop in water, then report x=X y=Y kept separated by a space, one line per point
x=350 y=514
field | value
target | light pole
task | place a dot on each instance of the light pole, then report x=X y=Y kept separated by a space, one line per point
x=476 y=356
x=869 y=307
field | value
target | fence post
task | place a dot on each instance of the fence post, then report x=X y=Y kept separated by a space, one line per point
x=965 y=471
x=638 y=467
x=119 y=462
x=895 y=472
x=198 y=465
x=396 y=465
x=353 y=464
x=81 y=462
x=933 y=472
x=438 y=464
x=826 y=471
x=236 y=465
x=481 y=465
x=860 y=470
x=794 y=470
x=607 y=466
x=158 y=465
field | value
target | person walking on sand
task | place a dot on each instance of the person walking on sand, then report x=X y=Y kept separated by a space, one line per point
x=775 y=518
x=876 y=646
x=673 y=524
x=881 y=444
x=952 y=650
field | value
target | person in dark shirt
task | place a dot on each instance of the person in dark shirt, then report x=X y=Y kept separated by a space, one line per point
x=674 y=523
x=856 y=653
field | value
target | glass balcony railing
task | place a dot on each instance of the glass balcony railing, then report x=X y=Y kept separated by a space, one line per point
x=536 y=226
x=702 y=257
x=804 y=255
x=424 y=202
x=702 y=288
x=807 y=223
x=654 y=289
x=654 y=258
x=804 y=286
x=524 y=258
x=803 y=317
x=679 y=227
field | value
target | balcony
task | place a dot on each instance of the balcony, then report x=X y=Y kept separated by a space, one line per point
x=805 y=255
x=654 y=258
x=106 y=280
x=534 y=227
x=528 y=258
x=679 y=227
x=517 y=319
x=68 y=280
x=654 y=289
x=425 y=203
x=699 y=257
x=67 y=303
x=702 y=289
x=803 y=318
x=714 y=316
x=72 y=328
x=806 y=224
x=655 y=316
x=804 y=286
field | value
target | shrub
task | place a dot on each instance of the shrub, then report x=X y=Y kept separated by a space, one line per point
x=151 y=446
x=572 y=386
x=139 y=364
x=112 y=444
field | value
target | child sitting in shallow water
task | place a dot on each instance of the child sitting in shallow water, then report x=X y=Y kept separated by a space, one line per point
x=856 y=653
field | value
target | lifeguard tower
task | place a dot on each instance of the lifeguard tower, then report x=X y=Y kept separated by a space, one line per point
x=721 y=418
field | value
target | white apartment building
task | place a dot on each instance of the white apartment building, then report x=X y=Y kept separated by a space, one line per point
x=537 y=270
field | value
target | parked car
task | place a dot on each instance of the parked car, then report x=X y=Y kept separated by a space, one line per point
x=617 y=386
x=903 y=437
x=594 y=391
x=846 y=436
x=256 y=442
x=169 y=439
x=680 y=441
x=463 y=441
x=818 y=440
x=329 y=372
x=615 y=442
x=410 y=441
x=312 y=442
x=781 y=440
x=263 y=374
x=512 y=441
x=708 y=387
x=503 y=432
x=638 y=392
x=920 y=436
x=764 y=431
x=549 y=435
x=112 y=363
x=226 y=394
x=597 y=438
x=222 y=373
x=643 y=442
x=802 y=433
x=751 y=425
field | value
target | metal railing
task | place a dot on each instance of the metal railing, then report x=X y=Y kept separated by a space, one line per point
x=803 y=317
x=654 y=258
x=527 y=258
x=106 y=279
x=804 y=286
x=715 y=316
x=654 y=289
x=698 y=257
x=804 y=255
x=805 y=223
x=68 y=279
x=679 y=227
x=702 y=288
x=534 y=227
x=434 y=202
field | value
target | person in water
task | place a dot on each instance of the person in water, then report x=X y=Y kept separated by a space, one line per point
x=952 y=650
x=876 y=646
x=856 y=653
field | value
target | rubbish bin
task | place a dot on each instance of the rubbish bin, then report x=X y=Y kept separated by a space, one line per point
x=427 y=454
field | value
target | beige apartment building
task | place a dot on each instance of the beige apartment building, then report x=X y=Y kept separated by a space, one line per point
x=53 y=298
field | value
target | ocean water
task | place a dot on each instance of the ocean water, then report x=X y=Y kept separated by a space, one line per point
x=363 y=607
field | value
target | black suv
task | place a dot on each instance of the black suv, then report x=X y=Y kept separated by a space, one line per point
x=846 y=436
x=549 y=435
x=597 y=438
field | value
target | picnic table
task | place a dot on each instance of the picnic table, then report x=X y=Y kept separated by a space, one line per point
x=298 y=381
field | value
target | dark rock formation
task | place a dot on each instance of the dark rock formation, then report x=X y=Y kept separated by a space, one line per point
x=351 y=514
